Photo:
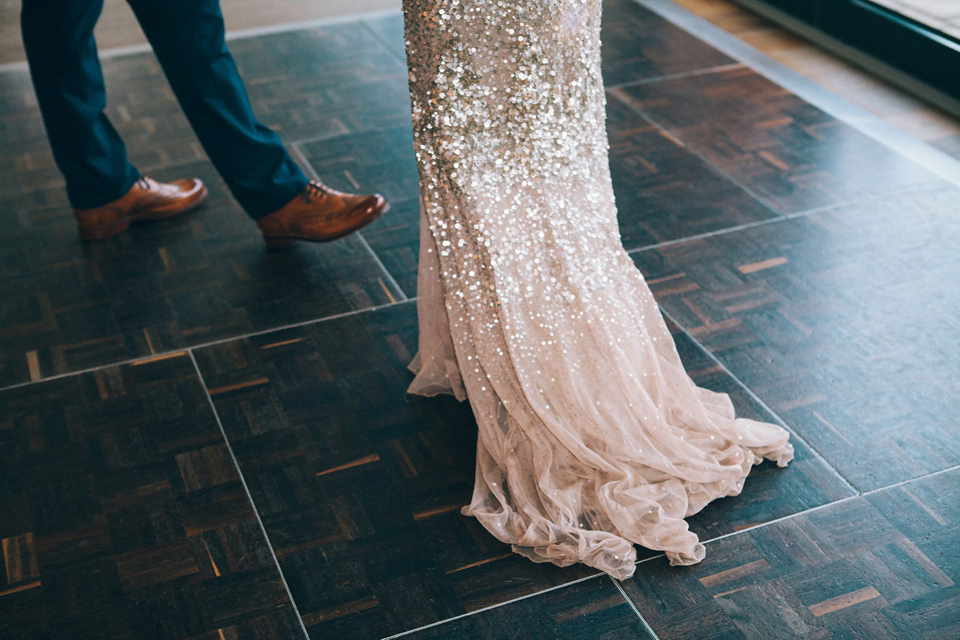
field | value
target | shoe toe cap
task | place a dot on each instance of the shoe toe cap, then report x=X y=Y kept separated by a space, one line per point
x=373 y=204
x=190 y=186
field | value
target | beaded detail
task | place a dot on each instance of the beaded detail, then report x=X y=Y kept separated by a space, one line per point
x=591 y=435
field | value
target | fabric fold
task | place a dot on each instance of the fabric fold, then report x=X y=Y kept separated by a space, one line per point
x=591 y=436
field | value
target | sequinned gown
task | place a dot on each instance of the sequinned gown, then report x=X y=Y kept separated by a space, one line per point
x=592 y=438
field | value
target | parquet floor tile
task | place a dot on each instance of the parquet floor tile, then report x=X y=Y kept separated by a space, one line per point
x=584 y=611
x=390 y=31
x=380 y=161
x=844 y=322
x=360 y=486
x=639 y=45
x=791 y=155
x=70 y=305
x=665 y=192
x=318 y=83
x=124 y=515
x=769 y=492
x=883 y=565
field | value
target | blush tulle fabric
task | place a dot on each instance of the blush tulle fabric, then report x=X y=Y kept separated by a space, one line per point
x=592 y=437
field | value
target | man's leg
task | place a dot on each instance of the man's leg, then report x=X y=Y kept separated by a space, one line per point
x=62 y=54
x=188 y=38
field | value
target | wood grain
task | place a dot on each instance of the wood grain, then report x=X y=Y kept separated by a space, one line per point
x=871 y=567
x=102 y=474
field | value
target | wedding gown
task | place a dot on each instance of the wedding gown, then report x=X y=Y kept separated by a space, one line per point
x=591 y=435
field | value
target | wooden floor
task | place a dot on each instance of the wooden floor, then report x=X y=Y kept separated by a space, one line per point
x=118 y=27
x=200 y=439
x=854 y=83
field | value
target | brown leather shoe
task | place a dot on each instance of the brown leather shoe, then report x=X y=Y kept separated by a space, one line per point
x=320 y=214
x=146 y=200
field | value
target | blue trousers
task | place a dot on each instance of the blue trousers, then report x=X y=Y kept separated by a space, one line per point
x=188 y=39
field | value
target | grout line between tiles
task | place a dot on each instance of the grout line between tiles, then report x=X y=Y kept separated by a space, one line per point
x=184 y=350
x=908 y=481
x=246 y=489
x=630 y=103
x=758 y=400
x=787 y=216
x=825 y=505
x=190 y=351
x=305 y=162
x=389 y=276
x=302 y=25
x=726 y=230
x=298 y=152
x=330 y=136
x=783 y=518
x=235 y=34
x=705 y=542
x=493 y=606
x=501 y=604
x=61 y=185
x=383 y=43
x=627 y=101
x=643 y=621
x=676 y=76
x=869 y=124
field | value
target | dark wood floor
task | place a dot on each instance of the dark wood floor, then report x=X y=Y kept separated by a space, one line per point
x=202 y=439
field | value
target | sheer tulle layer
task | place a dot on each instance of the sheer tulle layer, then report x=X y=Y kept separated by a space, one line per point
x=582 y=468
x=591 y=436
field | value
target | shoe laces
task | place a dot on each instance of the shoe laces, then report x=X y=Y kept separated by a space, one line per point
x=315 y=189
x=145 y=183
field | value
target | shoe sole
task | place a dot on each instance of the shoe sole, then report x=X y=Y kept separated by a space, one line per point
x=286 y=241
x=121 y=225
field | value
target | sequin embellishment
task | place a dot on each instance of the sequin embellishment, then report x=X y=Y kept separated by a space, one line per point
x=591 y=435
